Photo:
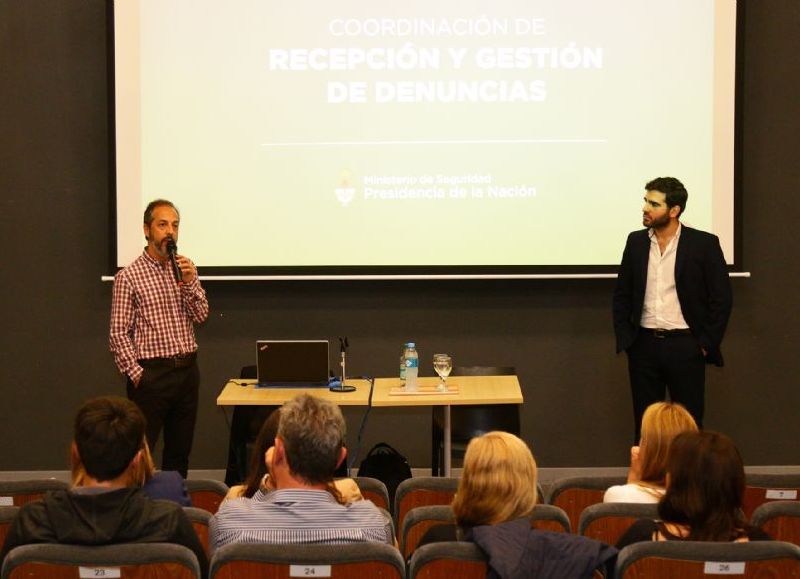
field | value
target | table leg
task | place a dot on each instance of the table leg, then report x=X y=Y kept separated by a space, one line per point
x=447 y=442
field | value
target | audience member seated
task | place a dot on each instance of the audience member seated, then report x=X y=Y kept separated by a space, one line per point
x=109 y=506
x=495 y=498
x=308 y=448
x=343 y=490
x=167 y=485
x=703 y=501
x=661 y=423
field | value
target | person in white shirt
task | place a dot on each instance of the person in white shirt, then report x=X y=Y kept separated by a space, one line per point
x=671 y=304
x=662 y=422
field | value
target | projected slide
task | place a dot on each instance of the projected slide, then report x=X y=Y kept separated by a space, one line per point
x=514 y=133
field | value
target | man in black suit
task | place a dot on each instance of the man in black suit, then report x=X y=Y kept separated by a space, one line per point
x=671 y=304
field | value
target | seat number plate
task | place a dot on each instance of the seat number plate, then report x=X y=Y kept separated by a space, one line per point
x=309 y=570
x=723 y=568
x=105 y=572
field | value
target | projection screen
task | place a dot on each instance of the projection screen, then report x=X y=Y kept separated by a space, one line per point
x=420 y=137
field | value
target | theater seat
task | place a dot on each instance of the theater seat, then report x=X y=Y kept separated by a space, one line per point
x=127 y=560
x=246 y=561
x=18 y=492
x=755 y=559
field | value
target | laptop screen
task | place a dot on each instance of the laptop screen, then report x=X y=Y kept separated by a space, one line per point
x=292 y=362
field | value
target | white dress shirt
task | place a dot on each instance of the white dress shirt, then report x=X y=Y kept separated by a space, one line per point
x=661 y=306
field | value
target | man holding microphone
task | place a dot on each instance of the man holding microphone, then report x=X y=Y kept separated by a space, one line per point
x=156 y=301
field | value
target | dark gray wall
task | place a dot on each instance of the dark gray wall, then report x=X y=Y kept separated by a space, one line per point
x=56 y=241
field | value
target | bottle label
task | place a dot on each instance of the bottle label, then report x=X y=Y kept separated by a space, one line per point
x=412 y=362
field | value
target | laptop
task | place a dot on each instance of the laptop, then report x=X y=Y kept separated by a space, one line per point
x=292 y=363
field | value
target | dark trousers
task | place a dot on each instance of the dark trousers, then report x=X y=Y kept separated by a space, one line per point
x=168 y=397
x=673 y=363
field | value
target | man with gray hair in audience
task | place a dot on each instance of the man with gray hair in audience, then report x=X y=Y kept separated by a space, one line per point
x=304 y=506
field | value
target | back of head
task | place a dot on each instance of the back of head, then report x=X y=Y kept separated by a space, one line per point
x=673 y=190
x=498 y=483
x=661 y=423
x=312 y=431
x=108 y=433
x=705 y=486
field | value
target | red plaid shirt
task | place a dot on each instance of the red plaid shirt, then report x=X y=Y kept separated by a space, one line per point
x=151 y=316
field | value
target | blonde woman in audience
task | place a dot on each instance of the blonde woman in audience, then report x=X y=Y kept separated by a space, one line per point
x=496 y=497
x=499 y=481
x=661 y=423
x=703 y=502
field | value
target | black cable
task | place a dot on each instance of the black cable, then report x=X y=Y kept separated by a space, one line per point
x=354 y=456
x=238 y=383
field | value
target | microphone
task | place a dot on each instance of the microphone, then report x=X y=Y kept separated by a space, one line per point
x=172 y=250
x=342 y=387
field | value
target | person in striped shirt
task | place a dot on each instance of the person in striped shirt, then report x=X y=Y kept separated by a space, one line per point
x=308 y=448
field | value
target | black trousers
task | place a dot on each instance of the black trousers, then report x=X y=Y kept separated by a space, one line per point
x=168 y=397
x=674 y=364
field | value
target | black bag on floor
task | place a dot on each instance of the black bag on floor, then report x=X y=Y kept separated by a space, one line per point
x=387 y=465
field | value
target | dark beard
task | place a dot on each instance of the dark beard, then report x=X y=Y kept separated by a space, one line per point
x=658 y=223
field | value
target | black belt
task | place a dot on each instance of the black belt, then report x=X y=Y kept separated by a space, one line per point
x=178 y=361
x=662 y=333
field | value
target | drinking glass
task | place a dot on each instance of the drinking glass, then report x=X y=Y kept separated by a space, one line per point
x=443 y=364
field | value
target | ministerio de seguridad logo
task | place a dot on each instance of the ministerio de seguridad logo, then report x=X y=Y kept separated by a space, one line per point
x=345 y=192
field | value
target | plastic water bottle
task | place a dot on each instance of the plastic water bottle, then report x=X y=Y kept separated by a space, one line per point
x=412 y=366
x=403 y=365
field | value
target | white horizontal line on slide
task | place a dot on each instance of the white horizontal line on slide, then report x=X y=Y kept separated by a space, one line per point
x=438 y=142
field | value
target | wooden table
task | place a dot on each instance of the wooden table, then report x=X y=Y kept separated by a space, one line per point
x=247 y=395
x=471 y=390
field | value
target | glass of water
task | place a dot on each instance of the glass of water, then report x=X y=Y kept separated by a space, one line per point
x=443 y=364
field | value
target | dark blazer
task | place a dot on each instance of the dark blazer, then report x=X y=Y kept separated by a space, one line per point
x=701 y=280
x=515 y=551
